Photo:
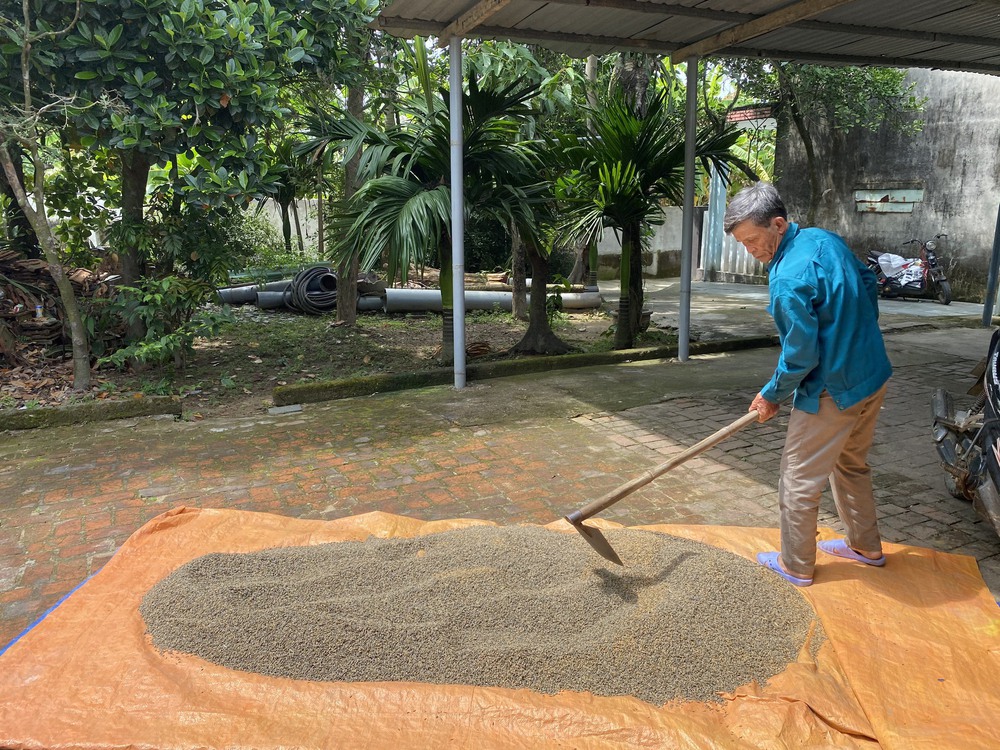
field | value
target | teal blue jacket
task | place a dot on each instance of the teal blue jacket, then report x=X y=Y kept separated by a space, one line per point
x=824 y=302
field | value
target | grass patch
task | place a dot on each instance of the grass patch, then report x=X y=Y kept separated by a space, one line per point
x=264 y=349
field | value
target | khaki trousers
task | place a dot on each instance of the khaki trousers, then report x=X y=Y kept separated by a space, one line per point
x=829 y=445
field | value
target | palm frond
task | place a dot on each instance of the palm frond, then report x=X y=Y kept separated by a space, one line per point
x=632 y=165
x=394 y=220
x=334 y=130
x=402 y=213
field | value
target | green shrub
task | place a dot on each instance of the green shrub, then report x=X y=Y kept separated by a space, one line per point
x=261 y=243
x=487 y=245
x=173 y=312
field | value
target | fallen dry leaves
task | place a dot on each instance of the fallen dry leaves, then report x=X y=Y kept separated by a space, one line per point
x=43 y=381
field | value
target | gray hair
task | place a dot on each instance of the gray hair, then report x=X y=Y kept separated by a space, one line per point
x=758 y=203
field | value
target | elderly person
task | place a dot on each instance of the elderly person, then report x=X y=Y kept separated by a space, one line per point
x=833 y=364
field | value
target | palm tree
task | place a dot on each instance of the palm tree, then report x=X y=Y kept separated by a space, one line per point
x=621 y=177
x=401 y=214
x=292 y=177
x=534 y=219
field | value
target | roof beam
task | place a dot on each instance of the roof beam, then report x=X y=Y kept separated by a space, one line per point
x=726 y=16
x=914 y=34
x=662 y=9
x=778 y=19
x=409 y=27
x=473 y=17
x=876 y=60
x=481 y=12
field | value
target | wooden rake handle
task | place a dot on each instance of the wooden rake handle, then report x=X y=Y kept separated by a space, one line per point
x=649 y=475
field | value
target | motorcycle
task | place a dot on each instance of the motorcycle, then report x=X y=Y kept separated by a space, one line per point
x=919 y=277
x=968 y=441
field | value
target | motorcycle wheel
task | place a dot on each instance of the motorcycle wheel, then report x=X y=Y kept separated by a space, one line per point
x=956 y=488
x=944 y=292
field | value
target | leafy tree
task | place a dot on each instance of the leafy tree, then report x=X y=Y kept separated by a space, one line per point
x=621 y=177
x=562 y=84
x=22 y=128
x=842 y=98
x=198 y=76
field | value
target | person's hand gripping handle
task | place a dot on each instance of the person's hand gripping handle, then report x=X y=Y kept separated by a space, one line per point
x=765 y=409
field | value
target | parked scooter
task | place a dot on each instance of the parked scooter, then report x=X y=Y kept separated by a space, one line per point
x=968 y=442
x=912 y=277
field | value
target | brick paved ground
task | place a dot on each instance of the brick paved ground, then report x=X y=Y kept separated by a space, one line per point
x=524 y=449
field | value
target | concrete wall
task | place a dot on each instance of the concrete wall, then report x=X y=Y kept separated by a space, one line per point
x=955 y=160
x=307 y=220
x=661 y=259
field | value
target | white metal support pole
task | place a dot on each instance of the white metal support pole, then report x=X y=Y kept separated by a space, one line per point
x=457 y=208
x=687 y=231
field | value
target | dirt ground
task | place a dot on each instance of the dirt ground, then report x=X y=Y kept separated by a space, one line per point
x=234 y=373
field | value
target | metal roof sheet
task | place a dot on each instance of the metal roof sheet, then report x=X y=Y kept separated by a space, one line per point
x=948 y=34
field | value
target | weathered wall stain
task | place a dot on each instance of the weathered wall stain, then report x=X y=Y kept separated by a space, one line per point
x=955 y=159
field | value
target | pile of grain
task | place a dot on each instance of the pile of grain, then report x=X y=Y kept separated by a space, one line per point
x=516 y=607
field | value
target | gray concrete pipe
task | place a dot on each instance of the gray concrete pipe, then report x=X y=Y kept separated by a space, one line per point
x=241 y=295
x=275 y=286
x=237 y=295
x=581 y=300
x=371 y=304
x=272 y=300
x=429 y=300
x=527 y=284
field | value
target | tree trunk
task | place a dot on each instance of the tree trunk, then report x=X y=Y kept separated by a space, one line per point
x=286 y=227
x=168 y=264
x=20 y=233
x=539 y=338
x=347 y=271
x=594 y=260
x=581 y=264
x=624 y=333
x=298 y=228
x=633 y=77
x=802 y=128
x=519 y=289
x=635 y=298
x=135 y=177
x=579 y=270
x=50 y=247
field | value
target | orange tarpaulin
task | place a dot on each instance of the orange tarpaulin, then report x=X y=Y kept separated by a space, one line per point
x=912 y=660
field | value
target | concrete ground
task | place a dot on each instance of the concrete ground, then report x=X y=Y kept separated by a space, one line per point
x=522 y=449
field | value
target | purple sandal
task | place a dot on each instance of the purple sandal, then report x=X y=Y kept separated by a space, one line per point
x=770 y=560
x=839 y=548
